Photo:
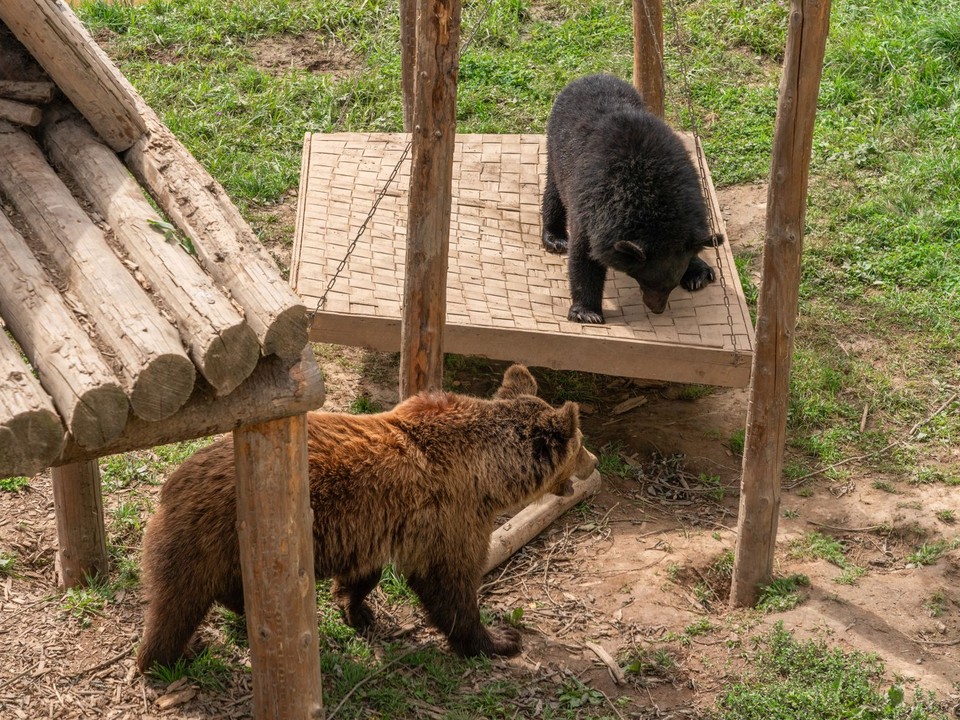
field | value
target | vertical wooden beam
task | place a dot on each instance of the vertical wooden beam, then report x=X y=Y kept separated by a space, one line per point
x=648 y=53
x=777 y=305
x=428 y=228
x=275 y=529
x=408 y=58
x=81 y=538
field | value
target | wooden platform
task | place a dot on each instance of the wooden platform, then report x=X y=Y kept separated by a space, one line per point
x=507 y=298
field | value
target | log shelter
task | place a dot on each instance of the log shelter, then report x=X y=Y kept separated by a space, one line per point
x=125 y=327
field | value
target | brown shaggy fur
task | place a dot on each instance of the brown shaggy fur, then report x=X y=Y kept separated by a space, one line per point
x=418 y=486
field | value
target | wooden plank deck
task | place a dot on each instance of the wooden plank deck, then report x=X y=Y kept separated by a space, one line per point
x=507 y=298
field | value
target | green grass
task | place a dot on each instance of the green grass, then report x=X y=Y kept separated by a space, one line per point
x=208 y=670
x=8 y=564
x=610 y=461
x=794 y=680
x=14 y=484
x=782 y=593
x=817 y=546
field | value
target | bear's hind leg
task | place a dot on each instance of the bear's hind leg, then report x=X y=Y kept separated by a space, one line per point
x=450 y=599
x=554 y=217
x=698 y=275
x=168 y=630
x=350 y=595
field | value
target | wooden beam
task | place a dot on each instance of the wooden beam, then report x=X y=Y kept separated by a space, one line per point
x=60 y=43
x=534 y=519
x=428 y=228
x=81 y=537
x=275 y=528
x=223 y=347
x=408 y=58
x=83 y=388
x=27 y=91
x=225 y=244
x=276 y=388
x=648 y=53
x=149 y=360
x=777 y=306
x=20 y=113
x=31 y=434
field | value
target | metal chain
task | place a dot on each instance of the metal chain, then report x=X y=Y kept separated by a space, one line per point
x=682 y=50
x=322 y=300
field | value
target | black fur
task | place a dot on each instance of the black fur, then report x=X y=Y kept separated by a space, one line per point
x=621 y=192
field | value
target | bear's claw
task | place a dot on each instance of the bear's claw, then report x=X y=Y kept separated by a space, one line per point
x=554 y=243
x=580 y=314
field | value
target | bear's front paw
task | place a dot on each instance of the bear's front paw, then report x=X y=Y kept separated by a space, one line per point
x=578 y=313
x=698 y=276
x=554 y=243
x=359 y=617
x=504 y=641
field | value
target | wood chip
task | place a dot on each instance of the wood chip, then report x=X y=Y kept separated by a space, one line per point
x=615 y=672
x=628 y=405
x=165 y=702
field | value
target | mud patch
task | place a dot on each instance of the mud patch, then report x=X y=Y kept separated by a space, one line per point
x=310 y=51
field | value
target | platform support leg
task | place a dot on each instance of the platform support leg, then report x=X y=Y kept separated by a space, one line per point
x=274 y=522
x=81 y=537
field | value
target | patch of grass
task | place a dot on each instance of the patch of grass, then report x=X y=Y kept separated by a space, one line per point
x=658 y=662
x=8 y=564
x=713 y=486
x=694 y=392
x=947 y=516
x=790 y=513
x=363 y=405
x=208 y=670
x=703 y=626
x=850 y=575
x=233 y=627
x=929 y=553
x=782 y=594
x=16 y=484
x=85 y=603
x=395 y=587
x=610 y=461
x=736 y=441
x=937 y=603
x=145 y=467
x=884 y=486
x=794 y=679
x=722 y=566
x=817 y=546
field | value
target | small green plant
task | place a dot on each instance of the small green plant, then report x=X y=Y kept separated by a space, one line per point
x=736 y=442
x=207 y=670
x=722 y=566
x=7 y=565
x=673 y=571
x=929 y=553
x=704 y=594
x=946 y=516
x=514 y=617
x=703 y=626
x=574 y=694
x=14 y=484
x=86 y=602
x=790 y=514
x=658 y=662
x=363 y=405
x=395 y=587
x=610 y=461
x=233 y=626
x=713 y=486
x=937 y=603
x=694 y=392
x=817 y=546
x=884 y=486
x=782 y=594
x=850 y=575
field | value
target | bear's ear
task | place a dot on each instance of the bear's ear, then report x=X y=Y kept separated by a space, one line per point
x=711 y=241
x=570 y=415
x=517 y=381
x=628 y=247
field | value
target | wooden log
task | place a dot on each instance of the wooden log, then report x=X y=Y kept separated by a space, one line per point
x=777 y=306
x=152 y=367
x=648 y=53
x=81 y=537
x=535 y=518
x=408 y=59
x=57 y=40
x=20 y=113
x=31 y=434
x=223 y=347
x=431 y=174
x=27 y=91
x=276 y=388
x=225 y=244
x=84 y=389
x=275 y=529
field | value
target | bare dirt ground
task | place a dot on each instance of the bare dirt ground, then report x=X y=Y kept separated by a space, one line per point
x=629 y=572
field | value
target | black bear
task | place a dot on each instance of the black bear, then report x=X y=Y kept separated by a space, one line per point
x=622 y=187
x=419 y=485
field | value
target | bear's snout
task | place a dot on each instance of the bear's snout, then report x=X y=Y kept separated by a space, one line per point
x=655 y=300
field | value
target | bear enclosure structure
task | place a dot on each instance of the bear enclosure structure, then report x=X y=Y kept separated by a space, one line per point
x=126 y=341
x=464 y=219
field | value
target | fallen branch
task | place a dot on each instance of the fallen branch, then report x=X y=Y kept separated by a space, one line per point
x=367 y=678
x=106 y=663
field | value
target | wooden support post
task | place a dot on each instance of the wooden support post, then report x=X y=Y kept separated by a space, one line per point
x=81 y=538
x=20 y=113
x=428 y=227
x=534 y=518
x=31 y=434
x=60 y=43
x=408 y=58
x=777 y=305
x=275 y=528
x=648 y=53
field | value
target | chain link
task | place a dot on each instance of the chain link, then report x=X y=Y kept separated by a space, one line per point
x=322 y=300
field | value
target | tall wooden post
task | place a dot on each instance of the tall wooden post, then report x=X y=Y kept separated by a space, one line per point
x=648 y=53
x=81 y=538
x=428 y=227
x=777 y=305
x=275 y=529
x=408 y=58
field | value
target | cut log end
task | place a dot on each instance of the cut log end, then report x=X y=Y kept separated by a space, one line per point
x=100 y=416
x=230 y=358
x=29 y=442
x=288 y=334
x=163 y=387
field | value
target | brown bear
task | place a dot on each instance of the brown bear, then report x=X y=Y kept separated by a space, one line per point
x=419 y=486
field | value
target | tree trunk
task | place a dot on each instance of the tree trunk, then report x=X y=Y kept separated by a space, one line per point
x=648 y=53
x=81 y=537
